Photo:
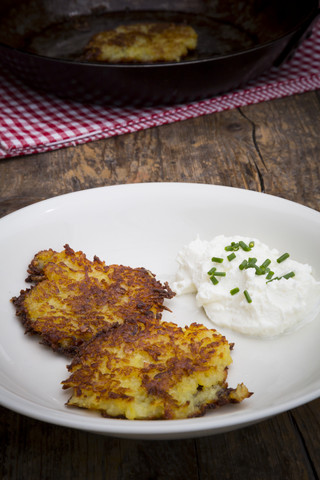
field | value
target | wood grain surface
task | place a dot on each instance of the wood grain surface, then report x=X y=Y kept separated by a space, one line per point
x=272 y=147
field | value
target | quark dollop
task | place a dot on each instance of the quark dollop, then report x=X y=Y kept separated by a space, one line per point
x=282 y=297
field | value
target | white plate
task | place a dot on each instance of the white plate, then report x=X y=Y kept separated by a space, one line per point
x=146 y=225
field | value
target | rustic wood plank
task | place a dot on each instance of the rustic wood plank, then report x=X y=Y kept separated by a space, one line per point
x=271 y=449
x=50 y=452
x=307 y=421
x=33 y=449
x=288 y=140
x=161 y=460
x=268 y=450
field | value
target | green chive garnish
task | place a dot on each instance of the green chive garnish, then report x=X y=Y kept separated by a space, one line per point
x=212 y=270
x=289 y=275
x=219 y=274
x=283 y=257
x=243 y=265
x=259 y=270
x=266 y=263
x=252 y=262
x=270 y=275
x=231 y=256
x=234 y=291
x=264 y=267
x=217 y=259
x=274 y=278
x=214 y=280
x=286 y=276
x=244 y=246
x=248 y=298
x=233 y=247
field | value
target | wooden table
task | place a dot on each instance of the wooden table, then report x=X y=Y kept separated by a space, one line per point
x=273 y=147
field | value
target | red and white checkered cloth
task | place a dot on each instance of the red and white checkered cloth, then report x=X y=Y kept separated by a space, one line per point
x=32 y=122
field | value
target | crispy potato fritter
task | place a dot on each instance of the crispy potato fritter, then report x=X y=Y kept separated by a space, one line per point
x=127 y=362
x=143 y=370
x=142 y=43
x=73 y=298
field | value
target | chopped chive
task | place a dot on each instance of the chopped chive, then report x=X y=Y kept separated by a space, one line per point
x=259 y=270
x=266 y=263
x=233 y=247
x=214 y=280
x=248 y=298
x=283 y=257
x=264 y=270
x=231 y=256
x=244 y=246
x=217 y=259
x=243 y=265
x=212 y=270
x=219 y=274
x=286 y=276
x=270 y=275
x=289 y=275
x=234 y=290
x=252 y=262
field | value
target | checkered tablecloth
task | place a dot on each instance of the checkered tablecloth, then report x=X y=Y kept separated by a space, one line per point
x=32 y=122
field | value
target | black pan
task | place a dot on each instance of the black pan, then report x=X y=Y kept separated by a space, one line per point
x=42 y=42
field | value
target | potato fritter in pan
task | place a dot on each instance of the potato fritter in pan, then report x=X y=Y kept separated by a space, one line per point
x=73 y=298
x=142 y=43
x=142 y=370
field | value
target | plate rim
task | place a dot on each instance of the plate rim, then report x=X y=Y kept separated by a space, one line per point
x=138 y=185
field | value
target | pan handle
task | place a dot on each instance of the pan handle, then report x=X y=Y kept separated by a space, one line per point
x=302 y=33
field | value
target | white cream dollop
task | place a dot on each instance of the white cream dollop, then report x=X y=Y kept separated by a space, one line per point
x=278 y=306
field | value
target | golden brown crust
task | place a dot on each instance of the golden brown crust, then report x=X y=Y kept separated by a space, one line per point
x=142 y=43
x=143 y=370
x=73 y=298
x=127 y=363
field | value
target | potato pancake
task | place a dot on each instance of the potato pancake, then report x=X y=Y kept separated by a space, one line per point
x=73 y=298
x=142 y=43
x=142 y=370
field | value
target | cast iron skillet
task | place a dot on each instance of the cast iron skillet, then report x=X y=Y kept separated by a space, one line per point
x=42 y=42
